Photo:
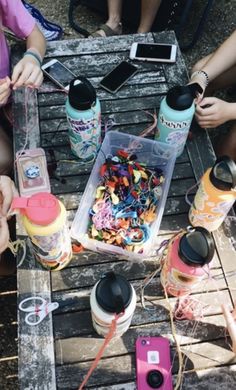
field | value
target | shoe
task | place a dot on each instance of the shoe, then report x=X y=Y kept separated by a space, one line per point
x=51 y=31
x=108 y=31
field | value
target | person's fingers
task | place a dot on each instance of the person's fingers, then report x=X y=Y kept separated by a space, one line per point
x=16 y=72
x=32 y=79
x=204 y=112
x=39 y=80
x=4 y=234
x=205 y=118
x=24 y=76
x=206 y=125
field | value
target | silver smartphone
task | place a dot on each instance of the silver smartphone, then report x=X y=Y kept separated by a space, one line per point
x=58 y=73
x=155 y=52
x=114 y=80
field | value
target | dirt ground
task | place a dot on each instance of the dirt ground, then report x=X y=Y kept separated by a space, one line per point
x=220 y=24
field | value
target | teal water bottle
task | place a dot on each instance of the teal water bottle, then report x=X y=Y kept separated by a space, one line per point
x=176 y=114
x=83 y=111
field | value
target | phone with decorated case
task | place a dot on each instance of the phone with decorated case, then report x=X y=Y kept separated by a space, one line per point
x=32 y=172
x=153 y=363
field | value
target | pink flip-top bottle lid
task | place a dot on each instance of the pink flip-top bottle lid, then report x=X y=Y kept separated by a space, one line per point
x=41 y=208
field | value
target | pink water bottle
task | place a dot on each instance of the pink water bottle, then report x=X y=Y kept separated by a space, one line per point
x=187 y=261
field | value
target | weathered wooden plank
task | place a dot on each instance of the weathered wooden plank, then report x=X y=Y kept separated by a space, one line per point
x=108 y=107
x=210 y=379
x=80 y=349
x=84 y=276
x=126 y=92
x=49 y=96
x=79 y=298
x=35 y=343
x=81 y=322
x=77 y=47
x=122 y=368
x=176 y=205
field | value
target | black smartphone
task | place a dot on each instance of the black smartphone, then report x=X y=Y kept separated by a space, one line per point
x=114 y=80
x=58 y=73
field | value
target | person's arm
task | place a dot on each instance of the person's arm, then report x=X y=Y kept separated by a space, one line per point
x=28 y=71
x=220 y=61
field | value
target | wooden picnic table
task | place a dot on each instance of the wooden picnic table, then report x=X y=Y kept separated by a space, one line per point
x=58 y=352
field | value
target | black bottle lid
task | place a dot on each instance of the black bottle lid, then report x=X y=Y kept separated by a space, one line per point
x=113 y=293
x=223 y=174
x=196 y=248
x=181 y=97
x=82 y=95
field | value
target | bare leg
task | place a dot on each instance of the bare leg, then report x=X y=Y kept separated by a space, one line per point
x=225 y=80
x=226 y=145
x=149 y=10
x=114 y=17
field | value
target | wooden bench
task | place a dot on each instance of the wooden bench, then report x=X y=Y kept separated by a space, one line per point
x=58 y=352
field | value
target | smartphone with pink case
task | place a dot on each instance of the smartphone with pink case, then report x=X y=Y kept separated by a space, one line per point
x=32 y=172
x=153 y=364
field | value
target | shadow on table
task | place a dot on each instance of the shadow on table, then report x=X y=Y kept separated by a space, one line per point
x=209 y=349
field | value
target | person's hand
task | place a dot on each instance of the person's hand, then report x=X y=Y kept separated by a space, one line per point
x=215 y=113
x=199 y=81
x=4 y=234
x=27 y=72
x=6 y=195
x=5 y=90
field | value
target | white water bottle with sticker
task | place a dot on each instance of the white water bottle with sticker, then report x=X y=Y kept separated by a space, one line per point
x=83 y=111
x=112 y=295
x=176 y=114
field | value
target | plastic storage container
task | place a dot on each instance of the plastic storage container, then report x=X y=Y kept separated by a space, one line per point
x=150 y=152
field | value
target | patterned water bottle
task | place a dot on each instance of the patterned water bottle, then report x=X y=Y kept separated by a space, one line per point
x=176 y=114
x=215 y=196
x=44 y=219
x=187 y=261
x=83 y=113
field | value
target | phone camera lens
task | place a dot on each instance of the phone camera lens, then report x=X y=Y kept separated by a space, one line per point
x=143 y=342
x=155 y=379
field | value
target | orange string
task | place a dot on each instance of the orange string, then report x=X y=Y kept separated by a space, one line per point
x=108 y=338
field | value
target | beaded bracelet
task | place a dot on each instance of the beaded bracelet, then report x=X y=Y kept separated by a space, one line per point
x=201 y=73
x=36 y=56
